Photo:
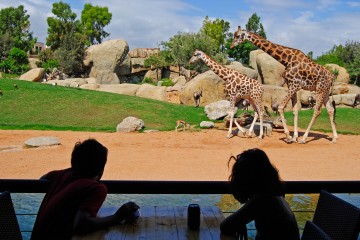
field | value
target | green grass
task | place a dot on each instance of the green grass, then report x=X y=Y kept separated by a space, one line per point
x=46 y=107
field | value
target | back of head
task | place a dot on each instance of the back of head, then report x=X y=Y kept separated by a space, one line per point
x=253 y=173
x=88 y=158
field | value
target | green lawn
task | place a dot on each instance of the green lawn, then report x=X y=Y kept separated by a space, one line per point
x=47 y=107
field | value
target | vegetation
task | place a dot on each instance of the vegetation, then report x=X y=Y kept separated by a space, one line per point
x=242 y=51
x=94 y=19
x=15 y=39
x=47 y=107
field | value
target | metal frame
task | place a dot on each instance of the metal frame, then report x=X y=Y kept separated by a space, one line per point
x=182 y=187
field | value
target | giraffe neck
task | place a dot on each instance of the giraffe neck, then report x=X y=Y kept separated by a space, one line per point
x=214 y=66
x=280 y=53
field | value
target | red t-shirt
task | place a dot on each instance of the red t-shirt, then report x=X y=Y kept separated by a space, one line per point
x=65 y=196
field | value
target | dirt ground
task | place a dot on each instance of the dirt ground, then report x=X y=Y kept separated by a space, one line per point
x=201 y=155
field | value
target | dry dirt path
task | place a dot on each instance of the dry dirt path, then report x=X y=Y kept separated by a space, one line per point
x=182 y=155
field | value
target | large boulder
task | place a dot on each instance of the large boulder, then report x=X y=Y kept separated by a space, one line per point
x=125 y=88
x=105 y=60
x=251 y=73
x=269 y=70
x=343 y=88
x=34 y=75
x=130 y=124
x=342 y=76
x=344 y=99
x=212 y=87
x=277 y=94
x=218 y=110
x=152 y=92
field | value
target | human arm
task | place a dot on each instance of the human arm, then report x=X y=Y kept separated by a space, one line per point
x=85 y=223
x=235 y=224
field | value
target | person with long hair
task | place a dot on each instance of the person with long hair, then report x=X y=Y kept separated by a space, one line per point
x=256 y=184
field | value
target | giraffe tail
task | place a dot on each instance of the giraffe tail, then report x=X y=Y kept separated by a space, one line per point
x=334 y=106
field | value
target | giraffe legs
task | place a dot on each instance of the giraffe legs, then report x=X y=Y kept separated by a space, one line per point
x=258 y=113
x=317 y=111
x=231 y=114
x=283 y=120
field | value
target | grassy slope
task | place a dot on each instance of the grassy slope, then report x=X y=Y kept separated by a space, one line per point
x=43 y=106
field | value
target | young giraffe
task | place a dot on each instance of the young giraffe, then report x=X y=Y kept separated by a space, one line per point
x=300 y=73
x=237 y=86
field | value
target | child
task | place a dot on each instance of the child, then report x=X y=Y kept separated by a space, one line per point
x=256 y=184
x=75 y=195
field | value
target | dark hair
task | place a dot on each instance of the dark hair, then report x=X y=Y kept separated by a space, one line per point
x=88 y=158
x=253 y=173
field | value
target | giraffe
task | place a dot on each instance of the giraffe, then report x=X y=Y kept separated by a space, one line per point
x=237 y=86
x=300 y=73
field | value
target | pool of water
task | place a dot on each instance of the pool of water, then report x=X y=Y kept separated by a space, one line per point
x=303 y=205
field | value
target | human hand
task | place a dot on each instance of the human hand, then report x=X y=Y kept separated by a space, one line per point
x=127 y=210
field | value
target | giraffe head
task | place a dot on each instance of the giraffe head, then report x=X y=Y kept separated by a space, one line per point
x=196 y=56
x=239 y=37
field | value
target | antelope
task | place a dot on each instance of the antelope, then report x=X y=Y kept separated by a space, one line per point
x=181 y=123
x=197 y=95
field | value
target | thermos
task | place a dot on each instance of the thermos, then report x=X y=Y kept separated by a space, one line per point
x=193 y=219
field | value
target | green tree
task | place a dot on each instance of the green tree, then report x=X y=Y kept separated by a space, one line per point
x=70 y=54
x=15 y=30
x=350 y=55
x=63 y=23
x=17 y=62
x=183 y=45
x=94 y=19
x=217 y=30
x=242 y=51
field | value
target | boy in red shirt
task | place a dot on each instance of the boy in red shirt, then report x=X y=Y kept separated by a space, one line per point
x=75 y=195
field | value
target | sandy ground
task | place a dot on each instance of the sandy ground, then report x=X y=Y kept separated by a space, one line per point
x=173 y=155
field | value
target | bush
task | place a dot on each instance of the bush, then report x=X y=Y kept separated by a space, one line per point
x=148 y=80
x=167 y=82
x=17 y=62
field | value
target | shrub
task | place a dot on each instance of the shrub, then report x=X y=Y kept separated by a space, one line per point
x=16 y=62
x=148 y=80
x=167 y=82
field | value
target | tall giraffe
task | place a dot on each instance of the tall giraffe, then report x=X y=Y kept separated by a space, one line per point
x=237 y=86
x=300 y=73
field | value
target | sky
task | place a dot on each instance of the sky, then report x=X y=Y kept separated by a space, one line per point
x=307 y=25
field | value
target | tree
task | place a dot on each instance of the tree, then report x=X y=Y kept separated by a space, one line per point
x=183 y=45
x=350 y=55
x=242 y=51
x=14 y=30
x=94 y=19
x=63 y=23
x=217 y=30
x=17 y=62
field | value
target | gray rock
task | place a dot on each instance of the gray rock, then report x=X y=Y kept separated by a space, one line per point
x=267 y=128
x=207 y=124
x=130 y=124
x=218 y=110
x=42 y=141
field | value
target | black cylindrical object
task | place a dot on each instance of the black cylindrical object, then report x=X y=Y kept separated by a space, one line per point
x=193 y=219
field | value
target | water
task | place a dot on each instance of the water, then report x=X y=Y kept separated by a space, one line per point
x=303 y=205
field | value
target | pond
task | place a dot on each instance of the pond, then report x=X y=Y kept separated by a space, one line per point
x=303 y=205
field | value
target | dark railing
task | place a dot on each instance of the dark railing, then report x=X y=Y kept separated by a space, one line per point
x=183 y=187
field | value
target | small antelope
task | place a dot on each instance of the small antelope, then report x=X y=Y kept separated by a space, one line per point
x=312 y=101
x=182 y=124
x=197 y=96
x=356 y=100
